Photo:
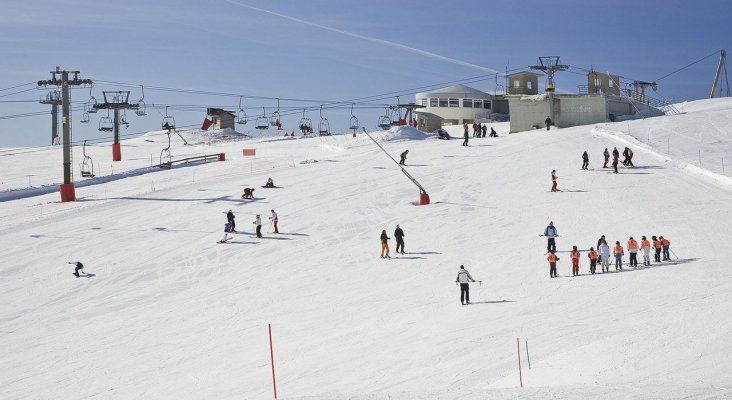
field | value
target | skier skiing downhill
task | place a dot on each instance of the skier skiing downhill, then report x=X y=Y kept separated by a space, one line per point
x=403 y=157
x=551 y=232
x=463 y=277
x=554 y=180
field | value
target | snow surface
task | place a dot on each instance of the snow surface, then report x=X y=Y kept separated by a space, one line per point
x=171 y=314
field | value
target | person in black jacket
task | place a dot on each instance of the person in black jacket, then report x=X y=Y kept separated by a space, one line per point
x=230 y=217
x=399 y=235
x=384 y=245
x=616 y=156
x=585 y=160
x=548 y=122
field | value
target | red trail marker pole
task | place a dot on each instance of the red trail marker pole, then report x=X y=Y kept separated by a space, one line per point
x=518 y=352
x=271 y=357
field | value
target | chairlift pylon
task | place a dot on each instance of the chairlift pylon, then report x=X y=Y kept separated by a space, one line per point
x=324 y=128
x=168 y=121
x=87 y=165
x=141 y=104
x=166 y=160
x=306 y=126
x=262 y=121
x=354 y=121
x=241 y=116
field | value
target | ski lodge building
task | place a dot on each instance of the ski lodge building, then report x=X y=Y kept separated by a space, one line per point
x=599 y=101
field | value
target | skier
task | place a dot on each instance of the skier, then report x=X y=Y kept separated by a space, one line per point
x=484 y=128
x=604 y=250
x=79 y=268
x=248 y=193
x=399 y=235
x=616 y=156
x=274 y=220
x=554 y=181
x=665 y=245
x=552 y=258
x=633 y=251
x=619 y=253
x=403 y=157
x=657 y=247
x=258 y=223
x=575 y=254
x=463 y=277
x=607 y=157
x=230 y=217
x=384 y=245
x=585 y=160
x=551 y=232
x=465 y=135
x=493 y=133
x=628 y=154
x=548 y=122
x=592 y=255
x=646 y=247
x=227 y=229
x=599 y=241
x=270 y=183
x=475 y=129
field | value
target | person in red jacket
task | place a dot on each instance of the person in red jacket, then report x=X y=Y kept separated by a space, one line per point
x=575 y=254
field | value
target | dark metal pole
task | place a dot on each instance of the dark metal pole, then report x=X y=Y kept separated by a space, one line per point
x=116 y=125
x=66 y=123
x=54 y=124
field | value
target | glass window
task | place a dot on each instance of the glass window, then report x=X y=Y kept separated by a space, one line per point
x=517 y=83
x=611 y=83
x=422 y=102
x=529 y=84
x=468 y=103
x=433 y=102
x=454 y=102
x=487 y=104
x=598 y=82
x=477 y=103
x=443 y=102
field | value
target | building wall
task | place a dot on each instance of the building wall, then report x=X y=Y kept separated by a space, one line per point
x=579 y=110
x=223 y=121
x=528 y=112
x=455 y=108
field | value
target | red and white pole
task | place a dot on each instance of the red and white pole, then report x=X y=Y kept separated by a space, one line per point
x=271 y=357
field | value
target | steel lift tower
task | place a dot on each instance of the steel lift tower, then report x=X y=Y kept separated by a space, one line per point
x=54 y=99
x=721 y=70
x=61 y=78
x=549 y=65
x=116 y=100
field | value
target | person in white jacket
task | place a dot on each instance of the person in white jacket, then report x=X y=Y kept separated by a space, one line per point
x=551 y=232
x=463 y=277
x=274 y=220
x=258 y=223
x=604 y=251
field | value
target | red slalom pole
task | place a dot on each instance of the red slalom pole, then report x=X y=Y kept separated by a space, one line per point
x=271 y=357
x=518 y=352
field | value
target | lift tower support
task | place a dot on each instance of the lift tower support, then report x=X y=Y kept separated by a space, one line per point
x=116 y=100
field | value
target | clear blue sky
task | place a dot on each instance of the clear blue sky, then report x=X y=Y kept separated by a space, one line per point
x=336 y=50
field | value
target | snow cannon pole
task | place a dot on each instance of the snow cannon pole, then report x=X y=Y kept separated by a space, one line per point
x=518 y=352
x=271 y=357
x=424 y=198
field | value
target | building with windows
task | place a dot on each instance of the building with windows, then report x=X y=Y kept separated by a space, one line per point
x=525 y=83
x=452 y=106
x=221 y=119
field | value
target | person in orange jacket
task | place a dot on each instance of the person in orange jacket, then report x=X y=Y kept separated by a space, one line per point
x=619 y=253
x=633 y=251
x=665 y=246
x=657 y=248
x=552 y=264
x=592 y=255
x=575 y=254
x=646 y=247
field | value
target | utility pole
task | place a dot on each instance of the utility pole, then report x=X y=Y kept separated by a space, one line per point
x=116 y=100
x=721 y=70
x=54 y=99
x=61 y=78
x=549 y=65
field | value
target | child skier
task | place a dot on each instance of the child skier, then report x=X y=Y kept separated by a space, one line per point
x=633 y=251
x=227 y=230
x=230 y=217
x=646 y=247
x=552 y=264
x=592 y=255
x=604 y=250
x=657 y=246
x=619 y=253
x=665 y=246
x=575 y=254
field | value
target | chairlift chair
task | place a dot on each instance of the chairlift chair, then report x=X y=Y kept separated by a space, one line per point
x=166 y=160
x=89 y=106
x=85 y=118
x=306 y=126
x=354 y=121
x=241 y=116
x=168 y=121
x=275 y=118
x=385 y=121
x=87 y=165
x=324 y=127
x=141 y=104
x=106 y=124
x=262 y=121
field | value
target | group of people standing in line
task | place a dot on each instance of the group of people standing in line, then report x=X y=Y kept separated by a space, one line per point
x=479 y=130
x=660 y=245
x=230 y=226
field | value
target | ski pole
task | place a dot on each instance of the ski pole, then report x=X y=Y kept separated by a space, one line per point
x=672 y=252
